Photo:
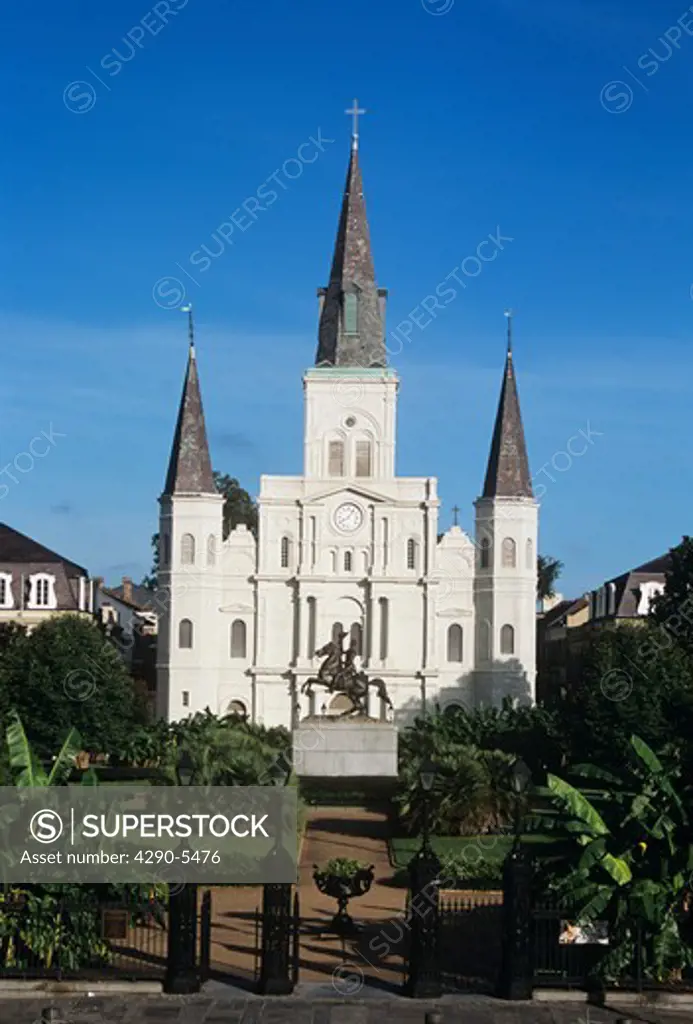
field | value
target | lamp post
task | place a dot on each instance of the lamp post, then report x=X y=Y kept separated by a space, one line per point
x=423 y=976
x=278 y=942
x=517 y=967
x=182 y=971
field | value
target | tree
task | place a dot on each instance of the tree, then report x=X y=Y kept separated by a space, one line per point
x=630 y=682
x=548 y=571
x=672 y=611
x=238 y=509
x=66 y=674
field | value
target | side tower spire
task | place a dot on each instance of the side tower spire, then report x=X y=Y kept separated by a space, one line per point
x=507 y=474
x=189 y=577
x=190 y=467
x=352 y=332
x=505 y=581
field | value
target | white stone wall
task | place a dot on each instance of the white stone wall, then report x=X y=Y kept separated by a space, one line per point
x=505 y=595
x=422 y=592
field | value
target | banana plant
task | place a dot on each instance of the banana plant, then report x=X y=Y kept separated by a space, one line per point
x=27 y=769
x=627 y=858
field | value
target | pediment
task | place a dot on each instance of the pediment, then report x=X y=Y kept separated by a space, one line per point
x=351 y=490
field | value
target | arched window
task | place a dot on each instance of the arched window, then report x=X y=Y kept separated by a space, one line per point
x=363 y=458
x=237 y=707
x=336 y=458
x=529 y=555
x=365 y=561
x=356 y=637
x=333 y=561
x=238 y=639
x=411 y=553
x=508 y=553
x=312 y=626
x=450 y=710
x=187 y=549
x=351 y=313
x=348 y=561
x=185 y=633
x=337 y=631
x=211 y=549
x=384 y=606
x=507 y=640
x=455 y=643
x=485 y=553
x=611 y=598
x=285 y=552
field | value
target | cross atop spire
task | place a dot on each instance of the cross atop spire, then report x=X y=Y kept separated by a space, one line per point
x=191 y=328
x=355 y=110
x=455 y=514
x=510 y=313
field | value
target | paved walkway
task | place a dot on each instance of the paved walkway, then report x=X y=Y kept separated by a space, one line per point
x=375 y=955
x=308 y=1007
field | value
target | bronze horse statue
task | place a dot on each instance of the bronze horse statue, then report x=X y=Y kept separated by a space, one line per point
x=338 y=674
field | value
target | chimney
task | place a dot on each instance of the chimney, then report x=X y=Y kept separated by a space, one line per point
x=127 y=588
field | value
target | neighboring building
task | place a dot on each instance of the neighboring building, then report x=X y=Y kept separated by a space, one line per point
x=37 y=583
x=566 y=632
x=129 y=615
x=348 y=545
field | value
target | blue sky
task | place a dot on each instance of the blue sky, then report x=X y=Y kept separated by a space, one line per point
x=490 y=114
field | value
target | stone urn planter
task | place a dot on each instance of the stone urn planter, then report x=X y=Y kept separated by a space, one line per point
x=343 y=879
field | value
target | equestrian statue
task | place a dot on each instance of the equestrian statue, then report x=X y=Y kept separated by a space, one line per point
x=338 y=674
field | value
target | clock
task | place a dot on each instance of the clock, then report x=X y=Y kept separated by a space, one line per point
x=348 y=517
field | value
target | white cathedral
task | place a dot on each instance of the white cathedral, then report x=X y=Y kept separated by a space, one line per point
x=348 y=545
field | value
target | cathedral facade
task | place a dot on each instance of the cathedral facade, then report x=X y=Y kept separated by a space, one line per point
x=348 y=547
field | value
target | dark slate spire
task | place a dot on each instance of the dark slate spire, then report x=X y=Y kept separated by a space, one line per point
x=190 y=468
x=507 y=475
x=351 y=331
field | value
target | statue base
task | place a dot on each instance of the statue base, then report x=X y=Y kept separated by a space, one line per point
x=358 y=748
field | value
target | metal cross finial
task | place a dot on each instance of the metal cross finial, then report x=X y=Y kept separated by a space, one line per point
x=455 y=513
x=355 y=111
x=191 y=330
x=510 y=313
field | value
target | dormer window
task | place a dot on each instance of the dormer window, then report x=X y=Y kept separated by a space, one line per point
x=6 y=590
x=42 y=591
x=351 y=313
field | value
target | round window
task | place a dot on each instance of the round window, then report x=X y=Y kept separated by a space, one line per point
x=350 y=421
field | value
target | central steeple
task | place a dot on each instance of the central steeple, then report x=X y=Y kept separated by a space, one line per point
x=352 y=332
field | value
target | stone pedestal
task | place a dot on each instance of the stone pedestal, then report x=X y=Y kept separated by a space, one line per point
x=332 y=748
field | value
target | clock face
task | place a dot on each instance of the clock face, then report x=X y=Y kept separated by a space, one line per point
x=348 y=517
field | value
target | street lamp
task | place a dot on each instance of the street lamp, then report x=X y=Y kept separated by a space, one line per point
x=427 y=776
x=424 y=977
x=515 y=980
x=182 y=972
x=520 y=778
x=186 y=769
